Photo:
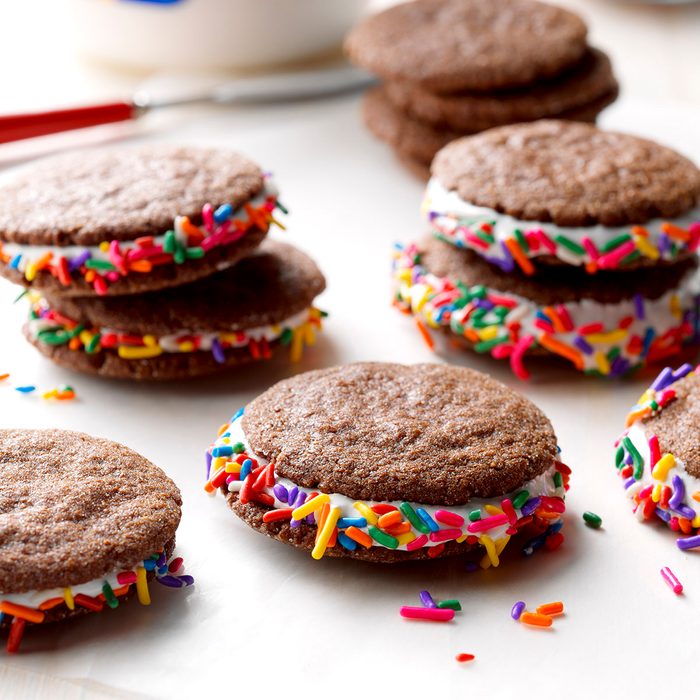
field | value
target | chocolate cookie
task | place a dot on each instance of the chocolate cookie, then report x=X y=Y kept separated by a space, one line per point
x=104 y=528
x=240 y=314
x=556 y=192
x=125 y=220
x=590 y=82
x=389 y=462
x=658 y=456
x=419 y=141
x=450 y=45
x=608 y=324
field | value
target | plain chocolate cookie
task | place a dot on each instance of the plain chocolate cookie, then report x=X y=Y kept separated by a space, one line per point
x=449 y=45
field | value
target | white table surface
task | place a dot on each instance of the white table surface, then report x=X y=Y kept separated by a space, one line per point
x=265 y=620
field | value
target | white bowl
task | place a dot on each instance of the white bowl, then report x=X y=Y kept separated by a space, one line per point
x=211 y=34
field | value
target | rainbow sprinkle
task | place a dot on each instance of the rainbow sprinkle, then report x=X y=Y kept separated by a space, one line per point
x=508 y=326
x=109 y=261
x=657 y=482
x=167 y=573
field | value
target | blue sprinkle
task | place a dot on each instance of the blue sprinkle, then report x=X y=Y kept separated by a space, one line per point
x=237 y=414
x=149 y=565
x=663 y=514
x=346 y=542
x=423 y=515
x=246 y=468
x=14 y=263
x=25 y=389
x=222 y=451
x=555 y=527
x=648 y=337
x=349 y=522
x=222 y=213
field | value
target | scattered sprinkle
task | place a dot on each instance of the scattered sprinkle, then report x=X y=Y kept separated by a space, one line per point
x=464 y=657
x=536 y=619
x=673 y=583
x=517 y=610
x=28 y=389
x=592 y=520
x=432 y=614
x=556 y=608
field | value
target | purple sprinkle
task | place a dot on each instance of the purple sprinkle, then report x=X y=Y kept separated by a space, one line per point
x=294 y=523
x=583 y=346
x=530 y=506
x=685 y=511
x=664 y=243
x=663 y=514
x=187 y=579
x=217 y=351
x=688 y=542
x=517 y=610
x=208 y=459
x=280 y=492
x=432 y=215
x=682 y=371
x=79 y=260
x=484 y=304
x=427 y=600
x=663 y=380
x=619 y=366
x=170 y=581
x=292 y=495
x=629 y=482
x=299 y=500
x=310 y=519
x=639 y=306
x=161 y=560
x=678 y=492
x=628 y=458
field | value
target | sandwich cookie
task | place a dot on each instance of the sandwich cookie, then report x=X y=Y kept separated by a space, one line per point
x=388 y=463
x=658 y=454
x=102 y=532
x=452 y=45
x=606 y=324
x=563 y=193
x=128 y=220
x=243 y=313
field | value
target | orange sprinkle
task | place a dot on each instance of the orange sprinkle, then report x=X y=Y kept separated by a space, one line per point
x=190 y=229
x=640 y=231
x=399 y=529
x=389 y=519
x=554 y=318
x=632 y=417
x=555 y=608
x=51 y=603
x=140 y=265
x=673 y=231
x=536 y=619
x=519 y=257
x=122 y=590
x=559 y=348
x=358 y=536
x=43 y=261
x=4 y=376
x=75 y=343
x=471 y=335
x=425 y=333
x=696 y=496
x=22 y=611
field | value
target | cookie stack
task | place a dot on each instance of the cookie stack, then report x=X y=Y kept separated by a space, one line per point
x=557 y=238
x=150 y=262
x=458 y=67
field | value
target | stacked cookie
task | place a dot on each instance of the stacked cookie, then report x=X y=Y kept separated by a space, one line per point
x=457 y=67
x=558 y=238
x=150 y=262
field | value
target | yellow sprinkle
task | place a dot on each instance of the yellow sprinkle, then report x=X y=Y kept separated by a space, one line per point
x=187 y=346
x=142 y=586
x=217 y=463
x=325 y=534
x=310 y=506
x=490 y=548
x=656 y=493
x=68 y=597
x=309 y=334
x=462 y=538
x=366 y=512
x=645 y=248
x=419 y=296
x=276 y=329
x=611 y=337
x=661 y=468
x=405 y=537
x=85 y=337
x=150 y=341
x=602 y=362
x=492 y=510
x=128 y=352
x=104 y=246
x=404 y=276
x=52 y=394
x=675 y=306
x=232 y=467
x=696 y=521
x=488 y=333
x=501 y=544
x=30 y=272
x=297 y=345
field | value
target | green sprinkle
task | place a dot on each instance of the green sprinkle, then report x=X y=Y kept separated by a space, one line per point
x=636 y=458
x=486 y=345
x=286 y=336
x=630 y=258
x=613 y=353
x=557 y=479
x=615 y=242
x=53 y=337
x=413 y=517
x=485 y=237
x=475 y=515
x=110 y=598
x=479 y=291
x=571 y=245
x=383 y=538
x=456 y=326
x=179 y=254
x=99 y=264
x=592 y=520
x=519 y=499
x=281 y=207
x=452 y=604
x=21 y=294
x=620 y=457
x=91 y=347
x=169 y=242
x=238 y=447
x=522 y=242
x=194 y=253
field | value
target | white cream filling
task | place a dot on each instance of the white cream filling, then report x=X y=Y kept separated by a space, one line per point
x=453 y=214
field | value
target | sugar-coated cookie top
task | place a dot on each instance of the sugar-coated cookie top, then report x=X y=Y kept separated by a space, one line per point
x=433 y=434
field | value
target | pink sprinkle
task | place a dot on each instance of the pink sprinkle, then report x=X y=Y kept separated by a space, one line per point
x=126 y=577
x=516 y=358
x=447 y=517
x=208 y=217
x=673 y=583
x=433 y=614
x=654 y=451
x=445 y=535
x=612 y=260
x=417 y=543
x=488 y=523
x=590 y=248
x=476 y=241
x=546 y=241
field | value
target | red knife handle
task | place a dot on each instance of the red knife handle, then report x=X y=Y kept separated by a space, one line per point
x=15 y=127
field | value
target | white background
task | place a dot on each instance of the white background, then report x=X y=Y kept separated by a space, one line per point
x=265 y=620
